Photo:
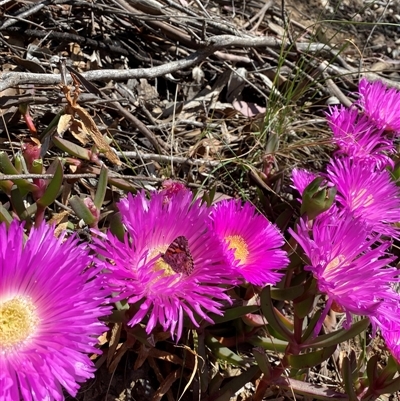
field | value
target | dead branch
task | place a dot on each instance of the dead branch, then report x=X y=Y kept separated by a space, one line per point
x=10 y=79
x=169 y=159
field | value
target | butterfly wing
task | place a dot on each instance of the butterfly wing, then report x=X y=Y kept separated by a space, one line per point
x=178 y=256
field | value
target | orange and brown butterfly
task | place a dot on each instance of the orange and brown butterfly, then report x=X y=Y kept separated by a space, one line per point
x=178 y=256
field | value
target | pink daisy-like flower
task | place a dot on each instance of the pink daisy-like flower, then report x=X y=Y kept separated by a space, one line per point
x=357 y=138
x=50 y=305
x=380 y=104
x=387 y=320
x=251 y=242
x=301 y=179
x=349 y=266
x=170 y=262
x=369 y=194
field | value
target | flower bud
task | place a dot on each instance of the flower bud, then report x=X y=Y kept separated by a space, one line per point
x=318 y=197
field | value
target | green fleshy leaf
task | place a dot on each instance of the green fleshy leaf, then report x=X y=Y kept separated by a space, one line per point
x=234 y=313
x=338 y=336
x=5 y=216
x=270 y=344
x=284 y=219
x=310 y=326
x=117 y=227
x=18 y=163
x=224 y=353
x=300 y=278
x=348 y=379
x=304 y=304
x=211 y=194
x=101 y=188
x=82 y=211
x=6 y=167
x=372 y=368
x=274 y=319
x=287 y=294
x=6 y=185
x=234 y=385
x=392 y=367
x=23 y=108
x=390 y=387
x=30 y=211
x=263 y=362
x=71 y=148
x=310 y=359
x=208 y=196
x=18 y=203
x=139 y=333
x=275 y=334
x=37 y=166
x=53 y=188
x=304 y=307
x=123 y=184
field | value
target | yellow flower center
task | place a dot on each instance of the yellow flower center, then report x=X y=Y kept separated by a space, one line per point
x=333 y=264
x=359 y=199
x=161 y=264
x=18 y=321
x=239 y=245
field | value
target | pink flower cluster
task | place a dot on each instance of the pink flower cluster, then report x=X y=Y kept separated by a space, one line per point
x=177 y=260
x=348 y=245
x=178 y=256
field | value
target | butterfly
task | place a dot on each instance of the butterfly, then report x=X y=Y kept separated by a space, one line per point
x=178 y=256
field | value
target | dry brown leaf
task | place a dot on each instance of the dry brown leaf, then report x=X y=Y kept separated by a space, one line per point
x=58 y=218
x=165 y=385
x=74 y=108
x=207 y=148
x=79 y=131
x=115 y=333
x=30 y=65
x=63 y=124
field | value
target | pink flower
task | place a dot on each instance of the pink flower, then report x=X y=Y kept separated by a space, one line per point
x=169 y=265
x=358 y=138
x=348 y=264
x=252 y=243
x=50 y=305
x=368 y=193
x=380 y=104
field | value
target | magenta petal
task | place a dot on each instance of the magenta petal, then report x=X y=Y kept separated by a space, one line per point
x=53 y=275
x=260 y=240
x=349 y=265
x=139 y=273
x=381 y=104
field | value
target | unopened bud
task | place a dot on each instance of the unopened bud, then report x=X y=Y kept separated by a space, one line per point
x=317 y=198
